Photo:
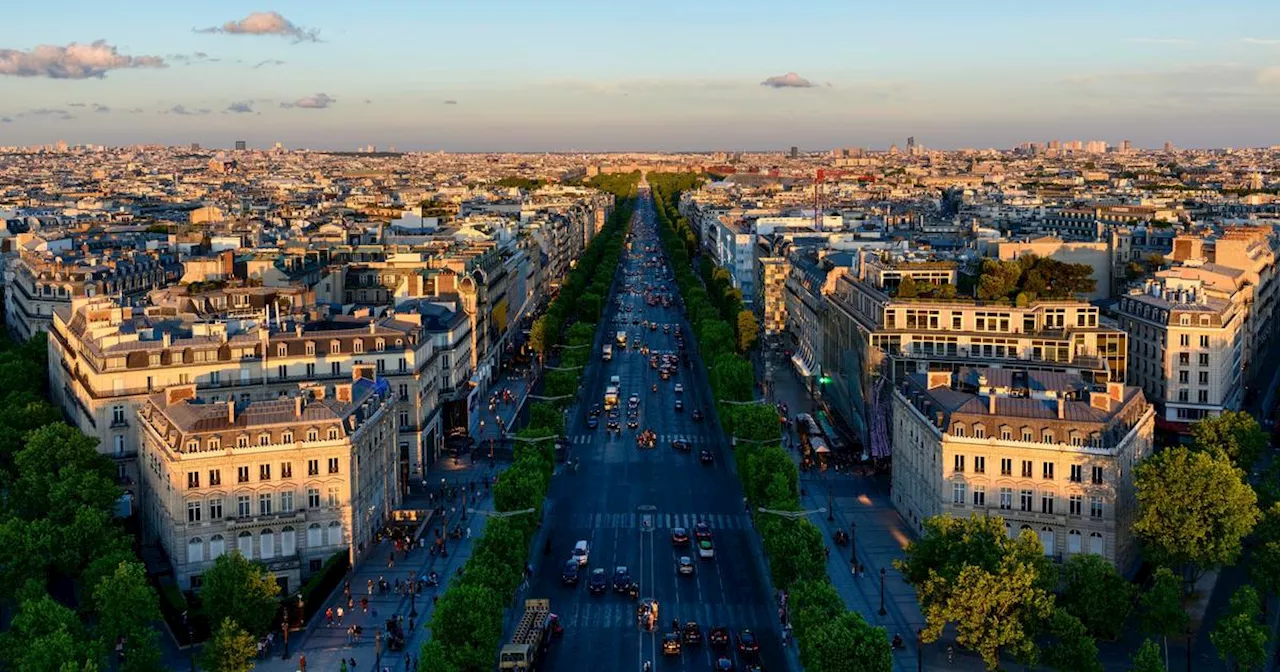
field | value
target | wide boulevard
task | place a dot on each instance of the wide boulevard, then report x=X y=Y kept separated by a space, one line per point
x=625 y=501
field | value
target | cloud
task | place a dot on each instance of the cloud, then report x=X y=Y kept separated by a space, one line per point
x=100 y=108
x=450 y=102
x=135 y=110
x=6 y=120
x=74 y=61
x=182 y=110
x=192 y=59
x=241 y=107
x=368 y=102
x=317 y=102
x=265 y=23
x=54 y=112
x=1269 y=75
x=788 y=81
x=1266 y=42
x=76 y=104
x=269 y=61
x=1169 y=41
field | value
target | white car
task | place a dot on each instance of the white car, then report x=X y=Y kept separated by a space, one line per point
x=679 y=388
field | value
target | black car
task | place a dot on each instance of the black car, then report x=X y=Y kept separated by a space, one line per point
x=679 y=405
x=701 y=531
x=671 y=644
x=679 y=536
x=719 y=637
x=681 y=445
x=598 y=583
x=706 y=457
x=692 y=634
x=747 y=643
x=621 y=579
x=569 y=576
x=592 y=422
x=697 y=415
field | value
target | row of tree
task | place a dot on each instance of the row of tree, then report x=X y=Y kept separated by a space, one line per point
x=1002 y=595
x=830 y=637
x=66 y=564
x=466 y=626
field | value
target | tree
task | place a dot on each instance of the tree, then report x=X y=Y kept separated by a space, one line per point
x=243 y=591
x=1240 y=636
x=1193 y=537
x=538 y=336
x=1096 y=595
x=435 y=659
x=468 y=620
x=547 y=417
x=846 y=643
x=1235 y=433
x=1148 y=658
x=1162 y=612
x=1264 y=560
x=716 y=337
x=46 y=637
x=126 y=606
x=908 y=289
x=812 y=604
x=748 y=330
x=732 y=377
x=795 y=550
x=991 y=610
x=230 y=649
x=1070 y=648
x=59 y=469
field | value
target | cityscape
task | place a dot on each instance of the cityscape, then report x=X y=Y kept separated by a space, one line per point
x=662 y=338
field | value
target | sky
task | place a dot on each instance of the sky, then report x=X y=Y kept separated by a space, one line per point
x=659 y=75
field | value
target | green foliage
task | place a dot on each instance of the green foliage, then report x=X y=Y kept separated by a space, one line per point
x=732 y=378
x=621 y=185
x=812 y=604
x=715 y=337
x=748 y=331
x=1162 y=613
x=794 y=549
x=241 y=590
x=539 y=335
x=230 y=649
x=1097 y=595
x=126 y=606
x=468 y=620
x=846 y=643
x=1206 y=535
x=1264 y=560
x=1147 y=659
x=1240 y=635
x=525 y=183
x=1236 y=434
x=59 y=470
x=45 y=635
x=542 y=414
x=1070 y=648
x=1035 y=277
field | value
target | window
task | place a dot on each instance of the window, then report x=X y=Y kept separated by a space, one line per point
x=314 y=539
x=267 y=544
x=264 y=504
x=1203 y=396
x=335 y=533
x=1026 y=435
x=1047 y=471
x=195 y=550
x=956 y=322
x=958 y=494
x=402 y=365
x=1204 y=359
x=381 y=364
x=979 y=495
x=117 y=416
x=193 y=479
x=288 y=541
x=282 y=350
x=244 y=543
x=404 y=420
x=959 y=463
x=335 y=347
x=333 y=436
x=286 y=501
x=1184 y=340
x=1026 y=468
x=217 y=546
x=310 y=348
x=313 y=467
x=1006 y=466
x=1025 y=499
x=1076 y=474
x=958 y=429
x=313 y=498
x=1184 y=376
x=1097 y=475
x=215 y=477
x=1095 y=507
x=1073 y=542
x=193 y=512
x=215 y=508
x=332 y=496
x=1095 y=543
x=979 y=431
x=1075 y=504
x=242 y=474
x=286 y=470
x=264 y=439
x=333 y=464
x=1048 y=436
x=1046 y=540
x=1006 y=433
x=403 y=391
x=1184 y=359
x=1006 y=498
x=264 y=472
x=313 y=435
x=1204 y=377
x=242 y=506
x=282 y=371
x=1046 y=503
x=379 y=345
x=1204 y=341
x=979 y=464
x=357 y=346
x=286 y=437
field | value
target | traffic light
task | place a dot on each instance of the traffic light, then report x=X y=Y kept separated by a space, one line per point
x=823 y=380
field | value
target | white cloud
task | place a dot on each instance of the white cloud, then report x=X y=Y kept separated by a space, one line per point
x=97 y=107
x=1269 y=75
x=74 y=61
x=6 y=120
x=182 y=110
x=1169 y=41
x=241 y=107
x=788 y=81
x=265 y=23
x=317 y=102
x=1266 y=42
x=54 y=112
x=450 y=102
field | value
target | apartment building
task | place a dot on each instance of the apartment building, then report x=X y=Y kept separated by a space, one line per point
x=734 y=249
x=107 y=359
x=771 y=292
x=288 y=482
x=1092 y=222
x=1048 y=452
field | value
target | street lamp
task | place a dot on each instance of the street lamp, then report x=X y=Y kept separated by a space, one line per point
x=500 y=514
x=284 y=627
x=919 y=649
x=882 y=611
x=792 y=515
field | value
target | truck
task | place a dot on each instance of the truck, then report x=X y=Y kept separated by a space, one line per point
x=606 y=352
x=622 y=339
x=611 y=393
x=530 y=638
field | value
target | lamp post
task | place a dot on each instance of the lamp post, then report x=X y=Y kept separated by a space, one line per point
x=191 y=643
x=284 y=629
x=882 y=611
x=919 y=649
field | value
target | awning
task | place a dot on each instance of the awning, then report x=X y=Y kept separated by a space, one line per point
x=798 y=362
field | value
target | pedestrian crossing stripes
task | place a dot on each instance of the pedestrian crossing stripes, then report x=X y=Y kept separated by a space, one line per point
x=611 y=612
x=662 y=521
x=629 y=435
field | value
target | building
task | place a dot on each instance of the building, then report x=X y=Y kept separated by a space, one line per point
x=1097 y=255
x=240 y=145
x=771 y=290
x=1047 y=452
x=287 y=482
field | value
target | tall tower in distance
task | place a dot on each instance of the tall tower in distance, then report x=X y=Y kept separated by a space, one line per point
x=240 y=145
x=795 y=152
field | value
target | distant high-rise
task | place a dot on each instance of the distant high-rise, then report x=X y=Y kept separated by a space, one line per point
x=240 y=145
x=1125 y=146
x=911 y=142
x=795 y=152
x=195 y=146
x=1168 y=146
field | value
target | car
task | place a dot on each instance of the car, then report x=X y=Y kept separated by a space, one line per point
x=723 y=664
x=684 y=566
x=701 y=531
x=595 y=410
x=621 y=579
x=692 y=634
x=679 y=389
x=666 y=328
x=635 y=320
x=582 y=551
x=671 y=644
x=633 y=422
x=718 y=637
x=679 y=405
x=706 y=550
x=706 y=457
x=569 y=576
x=679 y=536
x=697 y=415
x=681 y=445
x=592 y=422
x=748 y=645
x=634 y=401
x=665 y=373
x=598 y=583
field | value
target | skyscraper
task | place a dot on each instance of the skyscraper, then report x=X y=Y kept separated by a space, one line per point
x=240 y=145
x=795 y=152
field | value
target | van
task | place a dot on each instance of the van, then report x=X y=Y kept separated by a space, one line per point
x=581 y=551
x=606 y=352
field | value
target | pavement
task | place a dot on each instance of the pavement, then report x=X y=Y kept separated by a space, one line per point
x=626 y=501
x=326 y=646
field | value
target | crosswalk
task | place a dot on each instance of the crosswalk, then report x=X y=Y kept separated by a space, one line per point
x=663 y=439
x=608 y=611
x=662 y=522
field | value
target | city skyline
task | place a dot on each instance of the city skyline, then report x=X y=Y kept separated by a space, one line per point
x=575 y=76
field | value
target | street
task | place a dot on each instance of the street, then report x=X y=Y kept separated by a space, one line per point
x=625 y=501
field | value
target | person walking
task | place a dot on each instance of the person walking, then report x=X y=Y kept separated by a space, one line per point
x=302 y=662
x=340 y=612
x=468 y=531
x=328 y=617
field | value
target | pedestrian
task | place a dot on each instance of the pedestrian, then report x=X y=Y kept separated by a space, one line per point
x=343 y=666
x=351 y=605
x=391 y=560
x=406 y=664
x=370 y=586
x=271 y=640
x=328 y=617
x=468 y=531
x=353 y=665
x=302 y=662
x=340 y=612
x=364 y=605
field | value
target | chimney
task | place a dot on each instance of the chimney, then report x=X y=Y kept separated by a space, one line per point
x=231 y=411
x=373 y=328
x=297 y=330
x=166 y=338
x=1116 y=391
x=342 y=392
x=939 y=379
x=363 y=370
x=299 y=403
x=1062 y=407
x=178 y=393
x=991 y=403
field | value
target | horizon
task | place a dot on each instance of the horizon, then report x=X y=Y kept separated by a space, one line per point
x=565 y=76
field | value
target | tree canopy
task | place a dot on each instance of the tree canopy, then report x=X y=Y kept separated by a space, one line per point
x=1032 y=278
x=241 y=590
x=1236 y=434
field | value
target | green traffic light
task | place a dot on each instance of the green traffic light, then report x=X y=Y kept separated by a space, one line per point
x=824 y=380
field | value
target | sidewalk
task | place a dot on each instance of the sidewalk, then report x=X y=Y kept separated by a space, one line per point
x=325 y=647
